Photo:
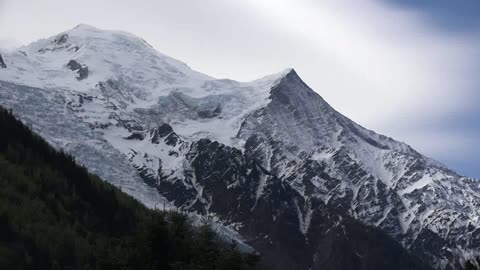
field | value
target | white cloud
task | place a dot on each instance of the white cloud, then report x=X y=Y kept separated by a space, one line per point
x=443 y=144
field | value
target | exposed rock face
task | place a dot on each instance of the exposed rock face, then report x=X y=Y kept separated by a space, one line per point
x=62 y=39
x=2 y=63
x=82 y=70
x=210 y=113
x=160 y=132
x=266 y=210
x=269 y=159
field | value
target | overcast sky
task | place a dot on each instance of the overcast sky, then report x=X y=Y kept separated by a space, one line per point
x=405 y=68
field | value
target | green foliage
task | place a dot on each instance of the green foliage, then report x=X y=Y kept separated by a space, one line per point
x=55 y=215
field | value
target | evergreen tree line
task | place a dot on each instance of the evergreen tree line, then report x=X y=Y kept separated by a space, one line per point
x=473 y=264
x=54 y=214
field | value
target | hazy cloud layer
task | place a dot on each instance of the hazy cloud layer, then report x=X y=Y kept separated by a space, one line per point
x=386 y=66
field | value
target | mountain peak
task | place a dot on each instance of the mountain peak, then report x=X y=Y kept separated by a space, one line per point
x=291 y=74
x=85 y=27
x=107 y=54
x=274 y=79
x=88 y=32
x=293 y=83
x=288 y=72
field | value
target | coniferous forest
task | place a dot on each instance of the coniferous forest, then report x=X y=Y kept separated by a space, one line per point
x=54 y=214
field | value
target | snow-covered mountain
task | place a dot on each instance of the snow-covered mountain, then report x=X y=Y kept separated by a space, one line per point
x=269 y=159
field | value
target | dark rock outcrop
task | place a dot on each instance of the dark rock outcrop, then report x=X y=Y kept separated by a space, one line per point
x=82 y=70
x=136 y=136
x=210 y=113
x=60 y=40
x=160 y=132
x=2 y=63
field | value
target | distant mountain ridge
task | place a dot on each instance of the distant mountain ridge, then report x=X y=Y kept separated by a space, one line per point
x=272 y=149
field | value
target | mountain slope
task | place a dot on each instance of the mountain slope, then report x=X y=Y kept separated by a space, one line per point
x=55 y=215
x=233 y=150
x=265 y=230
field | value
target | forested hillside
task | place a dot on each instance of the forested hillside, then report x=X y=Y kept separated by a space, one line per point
x=55 y=215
